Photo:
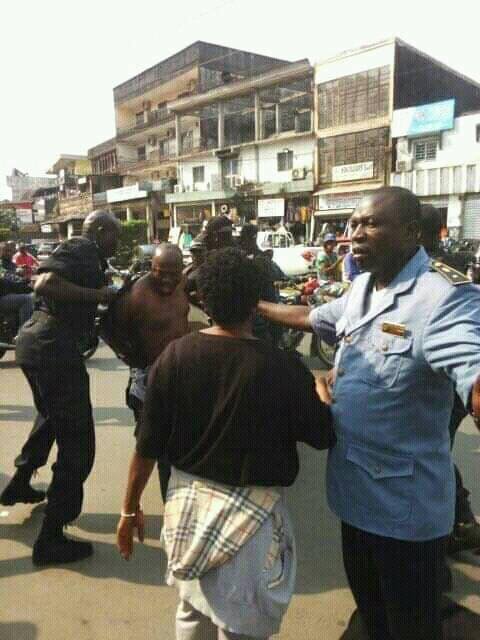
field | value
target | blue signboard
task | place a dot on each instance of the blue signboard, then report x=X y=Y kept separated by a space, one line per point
x=427 y=118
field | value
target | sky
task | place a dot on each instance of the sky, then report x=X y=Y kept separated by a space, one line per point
x=60 y=61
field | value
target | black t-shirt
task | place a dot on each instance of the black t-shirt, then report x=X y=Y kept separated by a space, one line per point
x=231 y=410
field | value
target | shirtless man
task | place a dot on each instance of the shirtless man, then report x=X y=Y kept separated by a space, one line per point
x=146 y=319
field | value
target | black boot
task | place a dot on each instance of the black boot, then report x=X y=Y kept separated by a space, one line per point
x=52 y=547
x=19 y=490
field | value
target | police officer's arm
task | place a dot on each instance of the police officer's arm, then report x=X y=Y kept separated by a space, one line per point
x=51 y=285
x=295 y=316
x=451 y=343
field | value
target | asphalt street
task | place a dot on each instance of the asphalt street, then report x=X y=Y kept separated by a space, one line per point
x=107 y=598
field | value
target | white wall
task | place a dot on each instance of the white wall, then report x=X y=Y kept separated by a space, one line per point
x=185 y=170
x=456 y=168
x=459 y=145
x=355 y=62
x=303 y=156
x=267 y=171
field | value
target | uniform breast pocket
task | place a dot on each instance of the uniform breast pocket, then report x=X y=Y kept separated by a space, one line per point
x=386 y=356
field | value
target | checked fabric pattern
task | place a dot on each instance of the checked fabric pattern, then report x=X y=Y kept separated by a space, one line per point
x=205 y=523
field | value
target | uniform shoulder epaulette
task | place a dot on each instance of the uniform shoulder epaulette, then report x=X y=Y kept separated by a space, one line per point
x=448 y=273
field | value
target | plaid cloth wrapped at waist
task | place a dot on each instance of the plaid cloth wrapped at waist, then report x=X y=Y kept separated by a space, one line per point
x=206 y=523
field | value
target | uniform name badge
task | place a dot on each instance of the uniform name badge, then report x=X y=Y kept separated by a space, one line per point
x=394 y=328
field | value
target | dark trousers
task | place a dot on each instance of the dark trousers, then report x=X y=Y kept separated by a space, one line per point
x=164 y=471
x=463 y=509
x=62 y=399
x=396 y=584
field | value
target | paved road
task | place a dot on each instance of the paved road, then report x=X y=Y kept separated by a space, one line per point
x=106 y=598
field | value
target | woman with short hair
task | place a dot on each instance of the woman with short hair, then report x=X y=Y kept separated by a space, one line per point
x=228 y=410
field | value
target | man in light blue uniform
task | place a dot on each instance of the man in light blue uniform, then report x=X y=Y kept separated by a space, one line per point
x=408 y=334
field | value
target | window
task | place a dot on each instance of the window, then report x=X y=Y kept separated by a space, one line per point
x=141 y=154
x=198 y=174
x=426 y=149
x=477 y=133
x=364 y=146
x=285 y=160
x=139 y=119
x=354 y=98
x=230 y=170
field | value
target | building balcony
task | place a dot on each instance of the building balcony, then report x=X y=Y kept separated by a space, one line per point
x=154 y=118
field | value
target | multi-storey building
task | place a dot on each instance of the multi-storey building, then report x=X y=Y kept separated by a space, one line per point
x=24 y=186
x=357 y=93
x=438 y=157
x=247 y=146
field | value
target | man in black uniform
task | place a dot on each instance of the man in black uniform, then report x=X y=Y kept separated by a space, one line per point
x=49 y=350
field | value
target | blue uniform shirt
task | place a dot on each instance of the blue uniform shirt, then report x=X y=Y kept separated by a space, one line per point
x=391 y=471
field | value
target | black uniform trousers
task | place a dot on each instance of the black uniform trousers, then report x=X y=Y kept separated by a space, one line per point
x=396 y=584
x=62 y=398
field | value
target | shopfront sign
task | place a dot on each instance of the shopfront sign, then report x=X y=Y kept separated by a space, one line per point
x=331 y=203
x=46 y=228
x=357 y=171
x=271 y=208
x=24 y=216
x=427 y=118
x=132 y=192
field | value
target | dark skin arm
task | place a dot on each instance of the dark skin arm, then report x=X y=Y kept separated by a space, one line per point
x=50 y=285
x=138 y=475
x=475 y=402
x=294 y=316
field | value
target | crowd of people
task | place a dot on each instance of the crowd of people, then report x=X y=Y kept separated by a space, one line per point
x=219 y=410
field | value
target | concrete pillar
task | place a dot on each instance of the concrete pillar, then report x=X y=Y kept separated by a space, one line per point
x=149 y=219
x=129 y=214
x=258 y=117
x=277 y=118
x=178 y=133
x=214 y=213
x=221 y=125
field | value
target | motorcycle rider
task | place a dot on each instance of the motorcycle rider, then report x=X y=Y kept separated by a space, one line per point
x=25 y=260
x=49 y=350
x=15 y=293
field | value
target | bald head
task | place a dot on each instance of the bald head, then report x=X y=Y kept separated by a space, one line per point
x=166 y=271
x=385 y=228
x=103 y=228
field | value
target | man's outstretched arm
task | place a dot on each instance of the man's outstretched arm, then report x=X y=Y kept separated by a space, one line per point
x=294 y=316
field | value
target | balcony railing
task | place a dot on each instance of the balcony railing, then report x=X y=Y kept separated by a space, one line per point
x=154 y=118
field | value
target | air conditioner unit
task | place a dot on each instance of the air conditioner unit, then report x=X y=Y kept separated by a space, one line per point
x=178 y=188
x=238 y=181
x=404 y=165
x=298 y=174
x=152 y=141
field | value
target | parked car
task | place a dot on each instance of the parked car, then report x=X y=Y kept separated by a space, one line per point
x=46 y=249
x=293 y=259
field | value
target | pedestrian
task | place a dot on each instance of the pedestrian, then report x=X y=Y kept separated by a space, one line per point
x=408 y=336
x=49 y=351
x=16 y=297
x=466 y=531
x=327 y=260
x=350 y=268
x=24 y=260
x=152 y=313
x=228 y=410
